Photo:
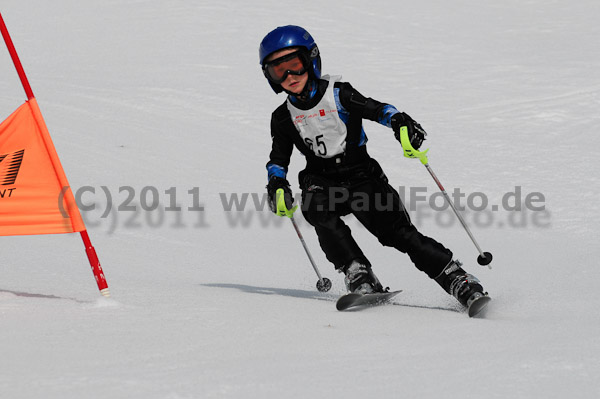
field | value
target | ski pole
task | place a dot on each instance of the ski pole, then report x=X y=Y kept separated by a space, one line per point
x=484 y=258
x=324 y=284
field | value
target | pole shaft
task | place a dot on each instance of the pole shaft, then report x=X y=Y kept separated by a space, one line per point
x=312 y=262
x=15 y=58
x=458 y=215
x=95 y=264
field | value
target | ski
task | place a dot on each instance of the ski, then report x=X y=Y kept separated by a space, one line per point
x=477 y=305
x=353 y=300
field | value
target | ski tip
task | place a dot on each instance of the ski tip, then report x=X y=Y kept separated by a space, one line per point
x=353 y=300
x=346 y=301
x=477 y=307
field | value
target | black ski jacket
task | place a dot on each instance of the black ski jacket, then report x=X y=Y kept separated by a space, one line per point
x=285 y=135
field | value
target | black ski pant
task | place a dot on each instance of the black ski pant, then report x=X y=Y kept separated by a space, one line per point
x=363 y=190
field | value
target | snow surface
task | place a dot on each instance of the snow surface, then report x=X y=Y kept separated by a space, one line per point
x=222 y=304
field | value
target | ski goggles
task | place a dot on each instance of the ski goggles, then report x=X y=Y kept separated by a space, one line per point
x=278 y=70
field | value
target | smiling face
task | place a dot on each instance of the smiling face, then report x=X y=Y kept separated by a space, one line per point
x=293 y=83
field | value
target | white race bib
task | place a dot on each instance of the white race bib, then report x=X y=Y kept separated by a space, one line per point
x=320 y=127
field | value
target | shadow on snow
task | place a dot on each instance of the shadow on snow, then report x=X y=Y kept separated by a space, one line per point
x=43 y=296
x=276 y=291
x=295 y=293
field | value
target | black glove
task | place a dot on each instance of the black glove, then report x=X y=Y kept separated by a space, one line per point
x=276 y=183
x=416 y=134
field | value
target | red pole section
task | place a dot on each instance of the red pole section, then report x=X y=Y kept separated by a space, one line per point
x=13 y=54
x=95 y=264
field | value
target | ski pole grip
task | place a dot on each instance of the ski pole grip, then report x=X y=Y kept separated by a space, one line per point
x=409 y=151
x=282 y=209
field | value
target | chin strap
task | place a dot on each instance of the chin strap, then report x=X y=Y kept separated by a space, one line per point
x=310 y=89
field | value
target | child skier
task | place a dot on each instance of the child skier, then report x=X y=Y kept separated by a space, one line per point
x=322 y=118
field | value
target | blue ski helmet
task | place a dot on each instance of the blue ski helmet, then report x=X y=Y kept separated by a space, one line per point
x=291 y=36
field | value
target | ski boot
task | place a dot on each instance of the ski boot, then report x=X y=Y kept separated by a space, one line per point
x=465 y=287
x=360 y=279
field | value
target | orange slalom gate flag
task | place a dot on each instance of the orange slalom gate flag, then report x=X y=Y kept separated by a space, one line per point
x=35 y=197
